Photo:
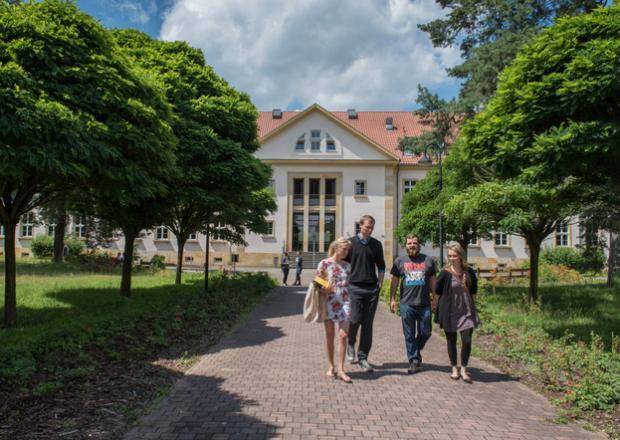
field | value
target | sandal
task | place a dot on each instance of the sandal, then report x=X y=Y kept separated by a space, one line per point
x=455 y=373
x=465 y=376
x=343 y=377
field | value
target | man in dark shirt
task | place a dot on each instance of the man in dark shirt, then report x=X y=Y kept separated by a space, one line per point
x=415 y=273
x=366 y=257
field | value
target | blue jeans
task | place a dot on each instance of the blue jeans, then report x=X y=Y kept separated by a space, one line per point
x=417 y=328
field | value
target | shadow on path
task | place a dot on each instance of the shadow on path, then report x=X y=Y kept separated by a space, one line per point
x=199 y=405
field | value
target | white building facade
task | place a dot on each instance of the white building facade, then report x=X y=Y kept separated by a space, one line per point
x=329 y=169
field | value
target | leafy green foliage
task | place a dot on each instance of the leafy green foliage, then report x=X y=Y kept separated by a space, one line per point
x=73 y=113
x=216 y=129
x=489 y=34
x=577 y=259
x=556 y=111
x=42 y=246
x=569 y=342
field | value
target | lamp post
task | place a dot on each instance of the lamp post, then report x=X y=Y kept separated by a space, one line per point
x=439 y=149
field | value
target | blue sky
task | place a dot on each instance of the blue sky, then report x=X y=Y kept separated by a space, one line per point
x=367 y=55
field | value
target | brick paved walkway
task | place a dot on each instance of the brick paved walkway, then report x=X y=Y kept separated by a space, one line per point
x=267 y=380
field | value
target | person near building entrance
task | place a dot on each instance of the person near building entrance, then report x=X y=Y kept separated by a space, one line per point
x=299 y=262
x=366 y=258
x=337 y=271
x=285 y=265
x=414 y=273
x=456 y=289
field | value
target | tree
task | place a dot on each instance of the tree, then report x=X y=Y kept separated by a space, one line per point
x=216 y=129
x=556 y=116
x=489 y=34
x=442 y=119
x=421 y=207
x=527 y=210
x=71 y=112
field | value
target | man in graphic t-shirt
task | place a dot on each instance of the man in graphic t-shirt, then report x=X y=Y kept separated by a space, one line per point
x=415 y=273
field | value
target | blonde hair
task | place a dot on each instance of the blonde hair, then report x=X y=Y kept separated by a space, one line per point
x=334 y=245
x=458 y=249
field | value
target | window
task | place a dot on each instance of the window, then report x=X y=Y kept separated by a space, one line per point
x=330 y=143
x=501 y=239
x=408 y=185
x=315 y=140
x=561 y=234
x=1 y=230
x=271 y=185
x=270 y=229
x=51 y=229
x=79 y=228
x=161 y=233
x=315 y=192
x=357 y=228
x=193 y=236
x=330 y=192
x=298 y=191
x=27 y=225
x=300 y=146
x=360 y=188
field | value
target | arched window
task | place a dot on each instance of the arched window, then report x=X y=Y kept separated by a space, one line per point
x=300 y=146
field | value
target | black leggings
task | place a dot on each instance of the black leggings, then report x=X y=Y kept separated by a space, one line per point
x=465 y=346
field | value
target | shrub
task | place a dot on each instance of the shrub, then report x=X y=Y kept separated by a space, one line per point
x=42 y=246
x=74 y=244
x=158 y=262
x=582 y=260
x=553 y=273
x=94 y=260
x=563 y=256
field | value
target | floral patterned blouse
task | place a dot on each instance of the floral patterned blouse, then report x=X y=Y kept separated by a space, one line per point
x=338 y=307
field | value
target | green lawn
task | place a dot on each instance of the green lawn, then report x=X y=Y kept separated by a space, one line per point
x=62 y=310
x=570 y=342
x=575 y=309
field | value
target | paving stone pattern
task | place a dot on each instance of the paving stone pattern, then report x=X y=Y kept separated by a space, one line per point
x=267 y=380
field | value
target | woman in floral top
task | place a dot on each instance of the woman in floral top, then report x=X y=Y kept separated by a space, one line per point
x=337 y=272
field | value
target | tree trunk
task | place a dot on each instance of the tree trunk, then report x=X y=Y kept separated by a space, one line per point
x=611 y=260
x=180 y=250
x=127 y=263
x=10 y=295
x=534 y=245
x=59 y=237
x=207 y=259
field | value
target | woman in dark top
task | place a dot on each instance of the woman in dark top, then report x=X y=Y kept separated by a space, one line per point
x=285 y=265
x=455 y=291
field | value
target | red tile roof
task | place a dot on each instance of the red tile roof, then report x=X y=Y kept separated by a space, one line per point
x=368 y=123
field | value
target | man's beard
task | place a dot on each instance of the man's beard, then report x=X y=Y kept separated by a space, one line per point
x=413 y=252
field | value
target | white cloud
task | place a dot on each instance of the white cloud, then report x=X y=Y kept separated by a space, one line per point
x=340 y=54
x=139 y=12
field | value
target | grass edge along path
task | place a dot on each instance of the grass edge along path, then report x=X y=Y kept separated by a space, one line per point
x=582 y=378
x=93 y=381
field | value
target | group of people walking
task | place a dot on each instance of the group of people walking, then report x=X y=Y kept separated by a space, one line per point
x=355 y=269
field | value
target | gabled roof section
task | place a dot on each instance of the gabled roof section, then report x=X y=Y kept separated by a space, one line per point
x=369 y=125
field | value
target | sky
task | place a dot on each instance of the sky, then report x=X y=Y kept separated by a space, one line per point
x=290 y=54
